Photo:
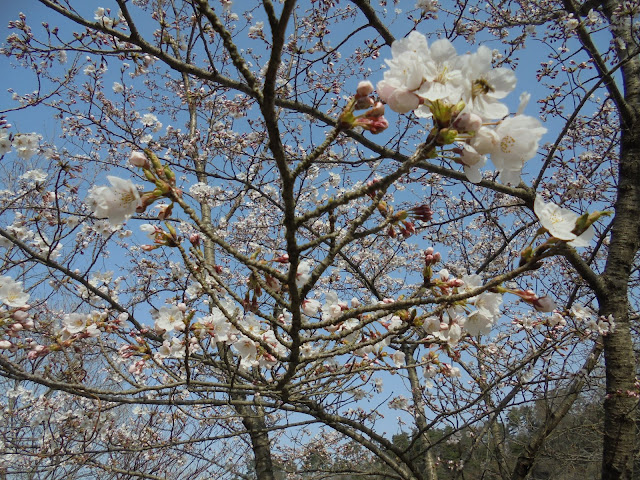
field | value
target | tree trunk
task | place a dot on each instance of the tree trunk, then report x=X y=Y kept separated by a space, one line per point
x=422 y=441
x=254 y=422
x=621 y=402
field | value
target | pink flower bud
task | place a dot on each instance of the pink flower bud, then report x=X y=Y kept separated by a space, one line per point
x=20 y=315
x=467 y=122
x=138 y=159
x=376 y=111
x=194 y=238
x=5 y=344
x=407 y=229
x=364 y=102
x=365 y=88
x=422 y=213
x=544 y=304
x=373 y=124
x=38 y=351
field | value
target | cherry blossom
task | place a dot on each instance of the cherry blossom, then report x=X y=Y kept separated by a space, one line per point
x=117 y=203
x=517 y=142
x=26 y=144
x=488 y=85
x=405 y=74
x=74 y=323
x=11 y=293
x=168 y=319
x=560 y=222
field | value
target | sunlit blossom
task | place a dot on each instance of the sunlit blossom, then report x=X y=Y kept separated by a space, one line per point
x=11 y=293
x=169 y=319
x=561 y=222
x=117 y=203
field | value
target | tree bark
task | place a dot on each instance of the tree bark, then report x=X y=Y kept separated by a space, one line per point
x=422 y=441
x=255 y=424
x=621 y=400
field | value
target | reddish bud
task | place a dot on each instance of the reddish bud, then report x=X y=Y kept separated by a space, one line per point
x=282 y=259
x=408 y=229
x=374 y=124
x=422 y=213
x=194 y=238
x=364 y=102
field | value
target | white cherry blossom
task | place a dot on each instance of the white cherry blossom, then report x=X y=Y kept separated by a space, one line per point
x=26 y=145
x=518 y=142
x=405 y=74
x=11 y=293
x=472 y=163
x=169 y=319
x=487 y=85
x=443 y=76
x=303 y=274
x=74 y=322
x=559 y=221
x=117 y=203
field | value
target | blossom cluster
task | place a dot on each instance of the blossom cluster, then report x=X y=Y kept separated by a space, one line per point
x=462 y=94
x=476 y=317
x=25 y=144
x=14 y=310
x=253 y=344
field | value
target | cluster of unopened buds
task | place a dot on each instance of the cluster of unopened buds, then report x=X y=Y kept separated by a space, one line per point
x=160 y=237
x=373 y=119
x=403 y=219
x=161 y=175
x=431 y=257
x=446 y=282
x=18 y=320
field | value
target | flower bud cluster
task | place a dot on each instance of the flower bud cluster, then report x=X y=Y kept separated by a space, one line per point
x=373 y=119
